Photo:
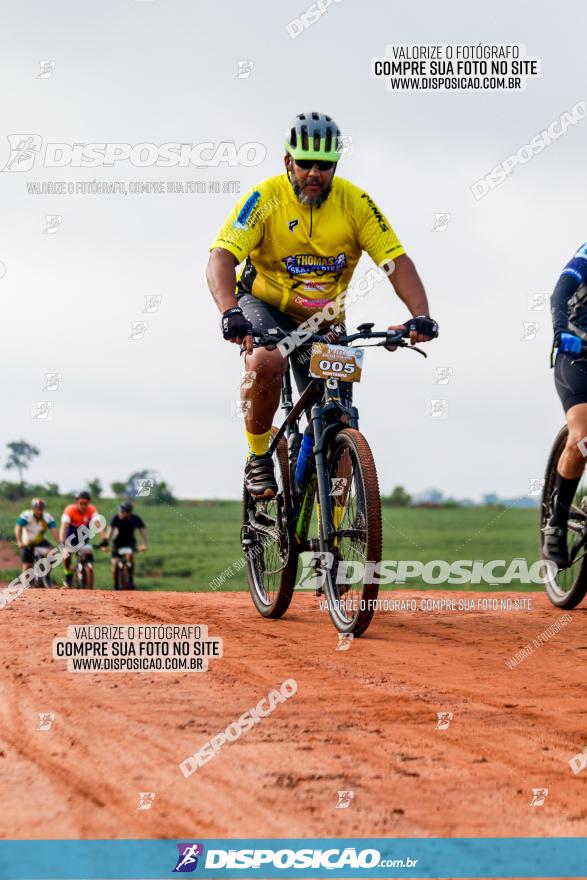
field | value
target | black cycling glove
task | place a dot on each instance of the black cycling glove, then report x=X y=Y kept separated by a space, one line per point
x=423 y=325
x=235 y=325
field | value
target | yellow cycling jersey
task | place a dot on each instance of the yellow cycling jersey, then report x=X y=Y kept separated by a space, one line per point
x=300 y=258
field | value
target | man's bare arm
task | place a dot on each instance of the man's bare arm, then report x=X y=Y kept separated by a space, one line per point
x=221 y=278
x=408 y=286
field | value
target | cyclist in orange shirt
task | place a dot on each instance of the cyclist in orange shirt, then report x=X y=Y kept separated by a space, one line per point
x=82 y=513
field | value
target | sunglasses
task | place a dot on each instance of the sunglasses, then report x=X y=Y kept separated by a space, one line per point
x=306 y=164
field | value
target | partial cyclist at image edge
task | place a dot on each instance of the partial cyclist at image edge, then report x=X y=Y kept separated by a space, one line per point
x=30 y=531
x=569 y=318
x=300 y=235
x=80 y=513
x=121 y=532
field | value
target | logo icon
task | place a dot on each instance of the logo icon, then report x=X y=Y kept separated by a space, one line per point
x=314 y=571
x=536 y=487
x=46 y=719
x=46 y=69
x=244 y=69
x=292 y=225
x=537 y=302
x=530 y=330
x=438 y=408
x=443 y=375
x=579 y=761
x=248 y=379
x=52 y=381
x=146 y=798
x=344 y=800
x=138 y=329
x=42 y=410
x=441 y=221
x=444 y=719
x=144 y=487
x=23 y=151
x=152 y=303
x=338 y=485
x=52 y=223
x=345 y=143
x=344 y=643
x=187 y=860
x=538 y=796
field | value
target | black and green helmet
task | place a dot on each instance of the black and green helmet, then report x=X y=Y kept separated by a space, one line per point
x=314 y=136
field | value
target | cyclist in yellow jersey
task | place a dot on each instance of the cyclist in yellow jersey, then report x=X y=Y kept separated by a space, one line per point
x=300 y=236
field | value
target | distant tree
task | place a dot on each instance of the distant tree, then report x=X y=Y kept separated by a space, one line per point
x=51 y=489
x=95 y=487
x=160 y=494
x=399 y=497
x=432 y=496
x=12 y=491
x=119 y=489
x=20 y=457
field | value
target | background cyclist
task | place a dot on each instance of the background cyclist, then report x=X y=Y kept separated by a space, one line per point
x=121 y=530
x=81 y=513
x=31 y=530
x=301 y=234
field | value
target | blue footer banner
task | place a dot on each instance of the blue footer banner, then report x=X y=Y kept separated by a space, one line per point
x=273 y=858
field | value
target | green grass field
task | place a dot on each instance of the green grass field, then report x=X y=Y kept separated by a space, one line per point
x=193 y=542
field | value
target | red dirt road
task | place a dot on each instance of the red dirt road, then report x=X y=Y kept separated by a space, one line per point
x=362 y=720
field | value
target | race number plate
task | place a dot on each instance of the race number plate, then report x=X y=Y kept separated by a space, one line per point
x=336 y=362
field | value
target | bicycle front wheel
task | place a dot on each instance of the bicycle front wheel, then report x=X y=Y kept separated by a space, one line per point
x=355 y=548
x=271 y=559
x=568 y=586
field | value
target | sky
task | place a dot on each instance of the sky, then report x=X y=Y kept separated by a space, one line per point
x=161 y=71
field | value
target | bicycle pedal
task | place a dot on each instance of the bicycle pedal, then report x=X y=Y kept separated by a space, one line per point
x=319 y=592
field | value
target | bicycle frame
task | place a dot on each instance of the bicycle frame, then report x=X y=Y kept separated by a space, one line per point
x=328 y=415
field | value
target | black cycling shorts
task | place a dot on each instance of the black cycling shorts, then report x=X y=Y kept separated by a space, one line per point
x=570 y=378
x=265 y=317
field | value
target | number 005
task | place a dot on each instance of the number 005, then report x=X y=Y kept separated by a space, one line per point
x=337 y=367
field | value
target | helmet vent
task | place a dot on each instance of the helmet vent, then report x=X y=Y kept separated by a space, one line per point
x=328 y=141
x=293 y=138
x=304 y=133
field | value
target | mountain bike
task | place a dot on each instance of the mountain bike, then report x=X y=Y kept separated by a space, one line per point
x=124 y=572
x=568 y=586
x=41 y=581
x=337 y=480
x=84 y=567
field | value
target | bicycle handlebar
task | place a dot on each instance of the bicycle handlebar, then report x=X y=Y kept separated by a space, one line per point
x=392 y=338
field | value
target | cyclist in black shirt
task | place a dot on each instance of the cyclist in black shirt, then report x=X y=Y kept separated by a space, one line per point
x=122 y=530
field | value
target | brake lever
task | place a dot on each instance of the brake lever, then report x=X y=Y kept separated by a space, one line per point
x=401 y=343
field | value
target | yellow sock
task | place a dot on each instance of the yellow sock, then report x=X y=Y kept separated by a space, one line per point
x=258 y=443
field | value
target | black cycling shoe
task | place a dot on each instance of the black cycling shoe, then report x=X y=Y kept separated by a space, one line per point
x=554 y=546
x=260 y=476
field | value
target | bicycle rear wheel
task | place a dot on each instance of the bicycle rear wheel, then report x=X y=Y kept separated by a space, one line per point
x=271 y=559
x=568 y=586
x=356 y=514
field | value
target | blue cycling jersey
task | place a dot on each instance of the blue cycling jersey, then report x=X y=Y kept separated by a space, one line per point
x=573 y=276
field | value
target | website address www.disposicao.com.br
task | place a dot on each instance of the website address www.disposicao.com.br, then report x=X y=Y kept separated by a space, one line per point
x=303 y=859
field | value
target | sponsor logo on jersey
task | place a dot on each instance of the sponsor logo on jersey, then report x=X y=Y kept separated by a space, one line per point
x=311 y=303
x=292 y=225
x=246 y=210
x=307 y=264
x=376 y=213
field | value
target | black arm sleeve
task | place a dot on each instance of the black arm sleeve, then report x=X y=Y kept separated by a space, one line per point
x=559 y=302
